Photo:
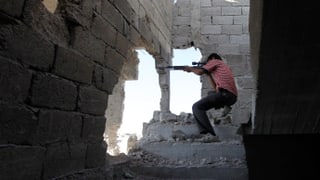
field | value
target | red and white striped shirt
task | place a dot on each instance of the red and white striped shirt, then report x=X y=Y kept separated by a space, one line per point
x=222 y=75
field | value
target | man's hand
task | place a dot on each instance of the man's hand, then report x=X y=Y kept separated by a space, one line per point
x=198 y=71
x=187 y=68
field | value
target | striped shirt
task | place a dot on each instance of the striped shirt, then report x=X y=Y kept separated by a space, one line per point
x=222 y=75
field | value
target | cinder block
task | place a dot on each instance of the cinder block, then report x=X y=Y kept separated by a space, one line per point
x=134 y=36
x=96 y=155
x=231 y=11
x=12 y=7
x=122 y=45
x=232 y=49
x=62 y=158
x=92 y=101
x=15 y=81
x=57 y=125
x=112 y=15
x=210 y=11
x=52 y=92
x=73 y=66
x=93 y=128
x=144 y=28
x=205 y=3
x=124 y=8
x=113 y=60
x=105 y=79
x=219 y=20
x=21 y=162
x=102 y=29
x=26 y=45
x=232 y=29
x=17 y=125
x=244 y=20
x=88 y=45
x=195 y=151
x=211 y=29
x=245 y=83
x=240 y=39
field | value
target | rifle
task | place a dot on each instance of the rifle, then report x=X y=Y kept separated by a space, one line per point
x=197 y=65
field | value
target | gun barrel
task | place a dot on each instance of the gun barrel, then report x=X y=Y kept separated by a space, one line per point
x=176 y=67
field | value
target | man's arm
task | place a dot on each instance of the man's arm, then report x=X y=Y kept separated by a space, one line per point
x=198 y=71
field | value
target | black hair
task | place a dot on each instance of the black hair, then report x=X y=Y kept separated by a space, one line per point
x=214 y=55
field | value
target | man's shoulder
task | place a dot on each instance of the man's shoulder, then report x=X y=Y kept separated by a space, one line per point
x=211 y=63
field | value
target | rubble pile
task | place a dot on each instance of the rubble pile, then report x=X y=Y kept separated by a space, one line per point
x=172 y=144
x=144 y=158
x=166 y=129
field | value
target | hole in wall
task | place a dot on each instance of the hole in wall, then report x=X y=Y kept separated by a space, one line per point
x=185 y=88
x=142 y=98
x=51 y=5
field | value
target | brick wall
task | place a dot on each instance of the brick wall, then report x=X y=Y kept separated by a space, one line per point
x=218 y=26
x=57 y=71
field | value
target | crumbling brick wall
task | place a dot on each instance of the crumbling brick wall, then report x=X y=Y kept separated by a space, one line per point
x=56 y=73
x=157 y=15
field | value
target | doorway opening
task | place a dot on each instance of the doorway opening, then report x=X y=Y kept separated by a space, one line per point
x=141 y=99
x=185 y=88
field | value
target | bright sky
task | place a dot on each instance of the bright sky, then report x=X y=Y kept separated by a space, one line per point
x=185 y=87
x=142 y=97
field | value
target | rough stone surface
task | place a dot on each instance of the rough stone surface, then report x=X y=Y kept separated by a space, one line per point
x=53 y=92
x=17 y=124
x=92 y=101
x=58 y=68
x=15 y=39
x=13 y=8
x=17 y=80
x=93 y=127
x=21 y=162
x=58 y=125
x=95 y=156
x=105 y=79
x=73 y=66
x=62 y=158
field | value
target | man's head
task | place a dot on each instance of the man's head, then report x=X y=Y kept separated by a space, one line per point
x=213 y=56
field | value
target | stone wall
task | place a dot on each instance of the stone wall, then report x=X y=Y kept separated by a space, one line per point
x=154 y=20
x=218 y=26
x=58 y=69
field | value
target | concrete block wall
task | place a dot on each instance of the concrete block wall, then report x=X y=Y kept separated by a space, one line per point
x=158 y=15
x=57 y=72
x=218 y=26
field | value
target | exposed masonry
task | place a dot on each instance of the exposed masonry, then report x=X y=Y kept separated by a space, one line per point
x=222 y=27
x=57 y=73
x=62 y=71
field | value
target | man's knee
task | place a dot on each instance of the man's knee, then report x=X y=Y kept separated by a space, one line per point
x=195 y=107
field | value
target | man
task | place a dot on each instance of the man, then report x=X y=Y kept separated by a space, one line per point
x=225 y=93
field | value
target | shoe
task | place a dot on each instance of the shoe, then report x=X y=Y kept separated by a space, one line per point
x=209 y=138
x=216 y=121
x=204 y=132
x=226 y=110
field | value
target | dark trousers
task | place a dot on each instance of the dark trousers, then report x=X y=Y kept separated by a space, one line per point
x=215 y=100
